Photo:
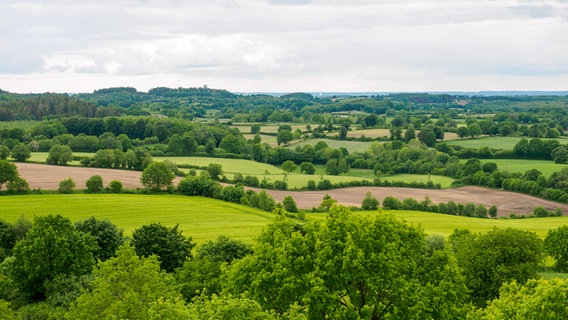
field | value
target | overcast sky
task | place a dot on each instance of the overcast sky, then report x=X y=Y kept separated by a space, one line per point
x=284 y=45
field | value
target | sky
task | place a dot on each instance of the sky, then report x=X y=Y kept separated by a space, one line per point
x=284 y=45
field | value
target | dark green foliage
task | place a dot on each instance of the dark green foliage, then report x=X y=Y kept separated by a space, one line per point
x=52 y=247
x=289 y=166
x=18 y=186
x=8 y=172
x=171 y=247
x=289 y=204
x=370 y=202
x=556 y=245
x=215 y=171
x=115 y=186
x=157 y=176
x=391 y=203
x=60 y=155
x=20 y=152
x=4 y=152
x=94 y=184
x=201 y=185
x=307 y=168
x=108 y=236
x=8 y=239
x=499 y=256
x=66 y=186
x=493 y=211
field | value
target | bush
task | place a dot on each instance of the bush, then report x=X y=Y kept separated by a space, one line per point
x=289 y=204
x=66 y=186
x=391 y=203
x=370 y=202
x=18 y=185
x=280 y=185
x=115 y=186
x=94 y=184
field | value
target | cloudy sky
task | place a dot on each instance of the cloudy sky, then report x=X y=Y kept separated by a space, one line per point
x=284 y=45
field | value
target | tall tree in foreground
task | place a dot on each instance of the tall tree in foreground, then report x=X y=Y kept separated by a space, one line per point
x=130 y=287
x=52 y=247
x=171 y=247
x=350 y=267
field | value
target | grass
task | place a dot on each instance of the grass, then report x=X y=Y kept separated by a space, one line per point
x=351 y=146
x=42 y=156
x=246 y=167
x=522 y=165
x=20 y=124
x=369 y=133
x=445 y=182
x=201 y=218
x=271 y=140
x=442 y=224
x=503 y=143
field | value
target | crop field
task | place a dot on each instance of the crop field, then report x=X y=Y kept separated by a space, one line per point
x=246 y=167
x=352 y=146
x=521 y=165
x=504 y=143
x=205 y=219
x=273 y=128
x=201 y=218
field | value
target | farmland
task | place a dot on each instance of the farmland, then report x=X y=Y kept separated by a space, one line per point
x=503 y=143
x=351 y=146
x=521 y=165
x=204 y=219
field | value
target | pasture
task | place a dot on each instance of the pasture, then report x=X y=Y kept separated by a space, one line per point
x=369 y=133
x=351 y=146
x=522 y=165
x=205 y=219
x=201 y=218
x=503 y=143
x=445 y=182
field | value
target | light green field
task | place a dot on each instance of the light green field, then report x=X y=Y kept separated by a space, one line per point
x=273 y=128
x=271 y=140
x=504 y=143
x=352 y=146
x=201 y=218
x=443 y=224
x=246 y=167
x=369 y=133
x=445 y=182
x=205 y=219
x=520 y=165
x=42 y=156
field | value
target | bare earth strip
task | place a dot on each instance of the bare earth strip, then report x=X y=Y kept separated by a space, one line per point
x=47 y=177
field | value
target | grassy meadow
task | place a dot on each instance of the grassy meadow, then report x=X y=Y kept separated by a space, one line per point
x=522 y=165
x=503 y=143
x=351 y=146
x=445 y=182
x=205 y=219
x=201 y=218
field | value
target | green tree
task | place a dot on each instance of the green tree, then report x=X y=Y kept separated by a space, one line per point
x=21 y=152
x=556 y=245
x=350 y=267
x=284 y=137
x=171 y=247
x=428 y=136
x=370 y=202
x=474 y=129
x=8 y=172
x=493 y=211
x=202 y=274
x=289 y=204
x=59 y=154
x=52 y=247
x=463 y=132
x=107 y=235
x=94 y=184
x=130 y=287
x=499 y=256
x=66 y=186
x=289 y=166
x=8 y=239
x=537 y=299
x=115 y=186
x=215 y=171
x=4 y=152
x=255 y=128
x=157 y=176
x=307 y=168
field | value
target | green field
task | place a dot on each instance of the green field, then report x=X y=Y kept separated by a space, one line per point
x=18 y=124
x=445 y=182
x=204 y=219
x=246 y=167
x=503 y=143
x=201 y=218
x=271 y=140
x=521 y=165
x=351 y=146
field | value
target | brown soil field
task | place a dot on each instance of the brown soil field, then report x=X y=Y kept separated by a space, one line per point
x=47 y=177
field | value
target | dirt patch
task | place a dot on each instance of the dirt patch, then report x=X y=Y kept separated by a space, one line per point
x=47 y=177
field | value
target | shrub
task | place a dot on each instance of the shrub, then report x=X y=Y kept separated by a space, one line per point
x=66 y=186
x=115 y=186
x=391 y=203
x=370 y=202
x=94 y=184
x=289 y=204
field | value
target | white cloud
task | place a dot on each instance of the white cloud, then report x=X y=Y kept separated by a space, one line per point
x=281 y=45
